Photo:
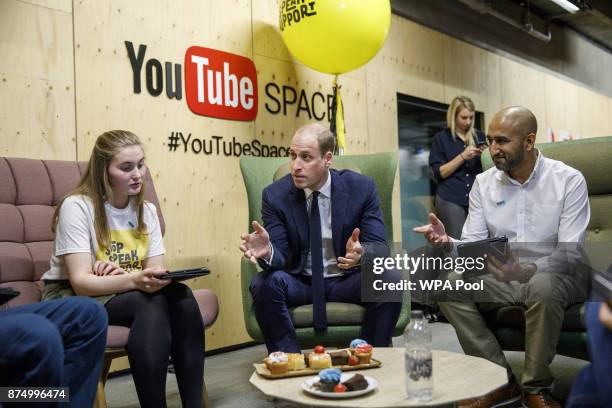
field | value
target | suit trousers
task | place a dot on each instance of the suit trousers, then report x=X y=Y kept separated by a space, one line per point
x=544 y=298
x=275 y=292
x=56 y=343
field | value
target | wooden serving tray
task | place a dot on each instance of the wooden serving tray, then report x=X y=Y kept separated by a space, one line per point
x=262 y=370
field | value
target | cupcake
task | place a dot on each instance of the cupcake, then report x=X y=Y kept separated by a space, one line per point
x=277 y=362
x=364 y=353
x=328 y=379
x=319 y=361
x=355 y=343
x=296 y=361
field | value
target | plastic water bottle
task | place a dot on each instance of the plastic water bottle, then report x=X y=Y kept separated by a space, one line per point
x=419 y=364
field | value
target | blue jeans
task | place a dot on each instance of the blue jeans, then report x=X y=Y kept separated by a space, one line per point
x=593 y=385
x=57 y=343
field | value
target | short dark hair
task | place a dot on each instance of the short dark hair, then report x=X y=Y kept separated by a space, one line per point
x=325 y=138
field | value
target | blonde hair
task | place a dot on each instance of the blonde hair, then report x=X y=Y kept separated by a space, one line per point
x=458 y=103
x=96 y=185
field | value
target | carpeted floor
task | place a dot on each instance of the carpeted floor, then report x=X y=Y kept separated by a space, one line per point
x=227 y=375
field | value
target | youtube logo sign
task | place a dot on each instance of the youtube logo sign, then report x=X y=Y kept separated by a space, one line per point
x=220 y=84
x=217 y=83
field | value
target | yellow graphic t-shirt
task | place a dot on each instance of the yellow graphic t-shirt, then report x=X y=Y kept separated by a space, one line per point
x=76 y=233
x=126 y=250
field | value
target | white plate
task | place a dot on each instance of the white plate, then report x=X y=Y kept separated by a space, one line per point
x=307 y=386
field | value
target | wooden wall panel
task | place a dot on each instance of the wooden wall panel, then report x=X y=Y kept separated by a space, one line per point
x=60 y=5
x=36 y=80
x=411 y=60
x=524 y=86
x=593 y=114
x=473 y=72
x=561 y=107
x=279 y=128
x=267 y=40
x=609 y=130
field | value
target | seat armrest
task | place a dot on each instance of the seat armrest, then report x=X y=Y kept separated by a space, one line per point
x=247 y=271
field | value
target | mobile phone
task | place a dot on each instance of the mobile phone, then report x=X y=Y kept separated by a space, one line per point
x=481 y=140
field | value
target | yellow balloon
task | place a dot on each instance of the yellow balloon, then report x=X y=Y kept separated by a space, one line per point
x=334 y=36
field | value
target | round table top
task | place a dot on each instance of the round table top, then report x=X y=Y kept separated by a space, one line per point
x=456 y=377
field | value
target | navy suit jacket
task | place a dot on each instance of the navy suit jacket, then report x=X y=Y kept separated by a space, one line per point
x=354 y=204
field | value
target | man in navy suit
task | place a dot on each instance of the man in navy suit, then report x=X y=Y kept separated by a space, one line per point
x=311 y=254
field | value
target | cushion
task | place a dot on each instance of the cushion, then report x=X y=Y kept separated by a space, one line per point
x=40 y=252
x=15 y=263
x=208 y=304
x=12 y=224
x=37 y=220
x=32 y=181
x=338 y=314
x=64 y=176
x=117 y=336
x=29 y=292
x=8 y=191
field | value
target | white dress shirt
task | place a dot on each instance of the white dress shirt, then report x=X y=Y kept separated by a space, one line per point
x=550 y=207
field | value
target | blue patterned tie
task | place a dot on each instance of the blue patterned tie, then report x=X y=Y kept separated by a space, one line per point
x=316 y=261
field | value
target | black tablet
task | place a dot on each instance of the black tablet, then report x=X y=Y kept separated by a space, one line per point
x=495 y=247
x=185 y=274
x=7 y=294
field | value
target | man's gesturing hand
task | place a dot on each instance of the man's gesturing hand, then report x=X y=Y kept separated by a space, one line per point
x=434 y=231
x=256 y=245
x=354 y=250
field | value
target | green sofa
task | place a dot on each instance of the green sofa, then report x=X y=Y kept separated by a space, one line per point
x=344 y=320
x=593 y=157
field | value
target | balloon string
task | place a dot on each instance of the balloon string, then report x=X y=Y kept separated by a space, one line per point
x=337 y=120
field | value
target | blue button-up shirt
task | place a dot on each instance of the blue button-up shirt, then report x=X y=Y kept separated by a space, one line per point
x=456 y=187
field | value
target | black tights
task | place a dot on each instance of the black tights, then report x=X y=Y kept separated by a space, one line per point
x=162 y=324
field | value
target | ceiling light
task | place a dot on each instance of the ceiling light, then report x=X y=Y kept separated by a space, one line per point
x=567 y=5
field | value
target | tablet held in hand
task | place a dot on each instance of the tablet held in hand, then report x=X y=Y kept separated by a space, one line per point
x=185 y=274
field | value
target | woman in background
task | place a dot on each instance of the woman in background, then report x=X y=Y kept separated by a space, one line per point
x=455 y=162
x=108 y=245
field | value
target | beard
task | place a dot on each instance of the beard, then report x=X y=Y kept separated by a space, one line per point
x=511 y=161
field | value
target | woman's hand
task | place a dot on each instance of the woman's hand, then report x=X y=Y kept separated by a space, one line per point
x=470 y=152
x=103 y=268
x=148 y=280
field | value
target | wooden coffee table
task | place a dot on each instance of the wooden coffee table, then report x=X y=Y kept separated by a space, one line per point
x=456 y=377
